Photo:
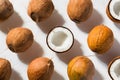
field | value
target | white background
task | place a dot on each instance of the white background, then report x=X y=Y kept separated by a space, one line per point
x=19 y=62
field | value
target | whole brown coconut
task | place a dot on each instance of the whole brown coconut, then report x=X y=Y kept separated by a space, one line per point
x=19 y=39
x=40 y=69
x=5 y=69
x=79 y=10
x=40 y=10
x=6 y=9
x=100 y=39
x=80 y=68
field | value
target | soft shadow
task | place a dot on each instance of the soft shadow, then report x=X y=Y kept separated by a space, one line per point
x=54 y=20
x=73 y=52
x=57 y=76
x=112 y=53
x=15 y=75
x=97 y=76
x=94 y=20
x=117 y=25
x=33 y=52
x=13 y=21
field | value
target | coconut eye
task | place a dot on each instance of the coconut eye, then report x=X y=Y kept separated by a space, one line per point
x=60 y=39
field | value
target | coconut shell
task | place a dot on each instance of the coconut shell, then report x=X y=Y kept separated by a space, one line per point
x=80 y=68
x=40 y=10
x=5 y=69
x=6 y=9
x=100 y=39
x=109 y=65
x=40 y=69
x=79 y=10
x=66 y=49
x=109 y=14
x=19 y=39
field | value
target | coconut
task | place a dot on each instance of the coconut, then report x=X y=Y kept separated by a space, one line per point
x=40 y=69
x=113 y=10
x=60 y=39
x=6 y=9
x=19 y=39
x=80 y=68
x=79 y=10
x=114 y=68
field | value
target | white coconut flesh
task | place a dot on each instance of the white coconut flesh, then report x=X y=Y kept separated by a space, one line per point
x=114 y=8
x=60 y=39
x=115 y=70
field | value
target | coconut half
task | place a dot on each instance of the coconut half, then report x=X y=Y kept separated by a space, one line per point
x=60 y=39
x=113 y=10
x=114 y=68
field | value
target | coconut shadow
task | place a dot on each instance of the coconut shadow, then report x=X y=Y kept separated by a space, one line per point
x=97 y=76
x=33 y=52
x=13 y=21
x=54 y=20
x=15 y=75
x=70 y=54
x=95 y=19
x=112 y=53
x=117 y=25
x=57 y=76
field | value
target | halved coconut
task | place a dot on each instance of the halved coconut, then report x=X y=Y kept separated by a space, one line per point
x=114 y=68
x=113 y=10
x=60 y=39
